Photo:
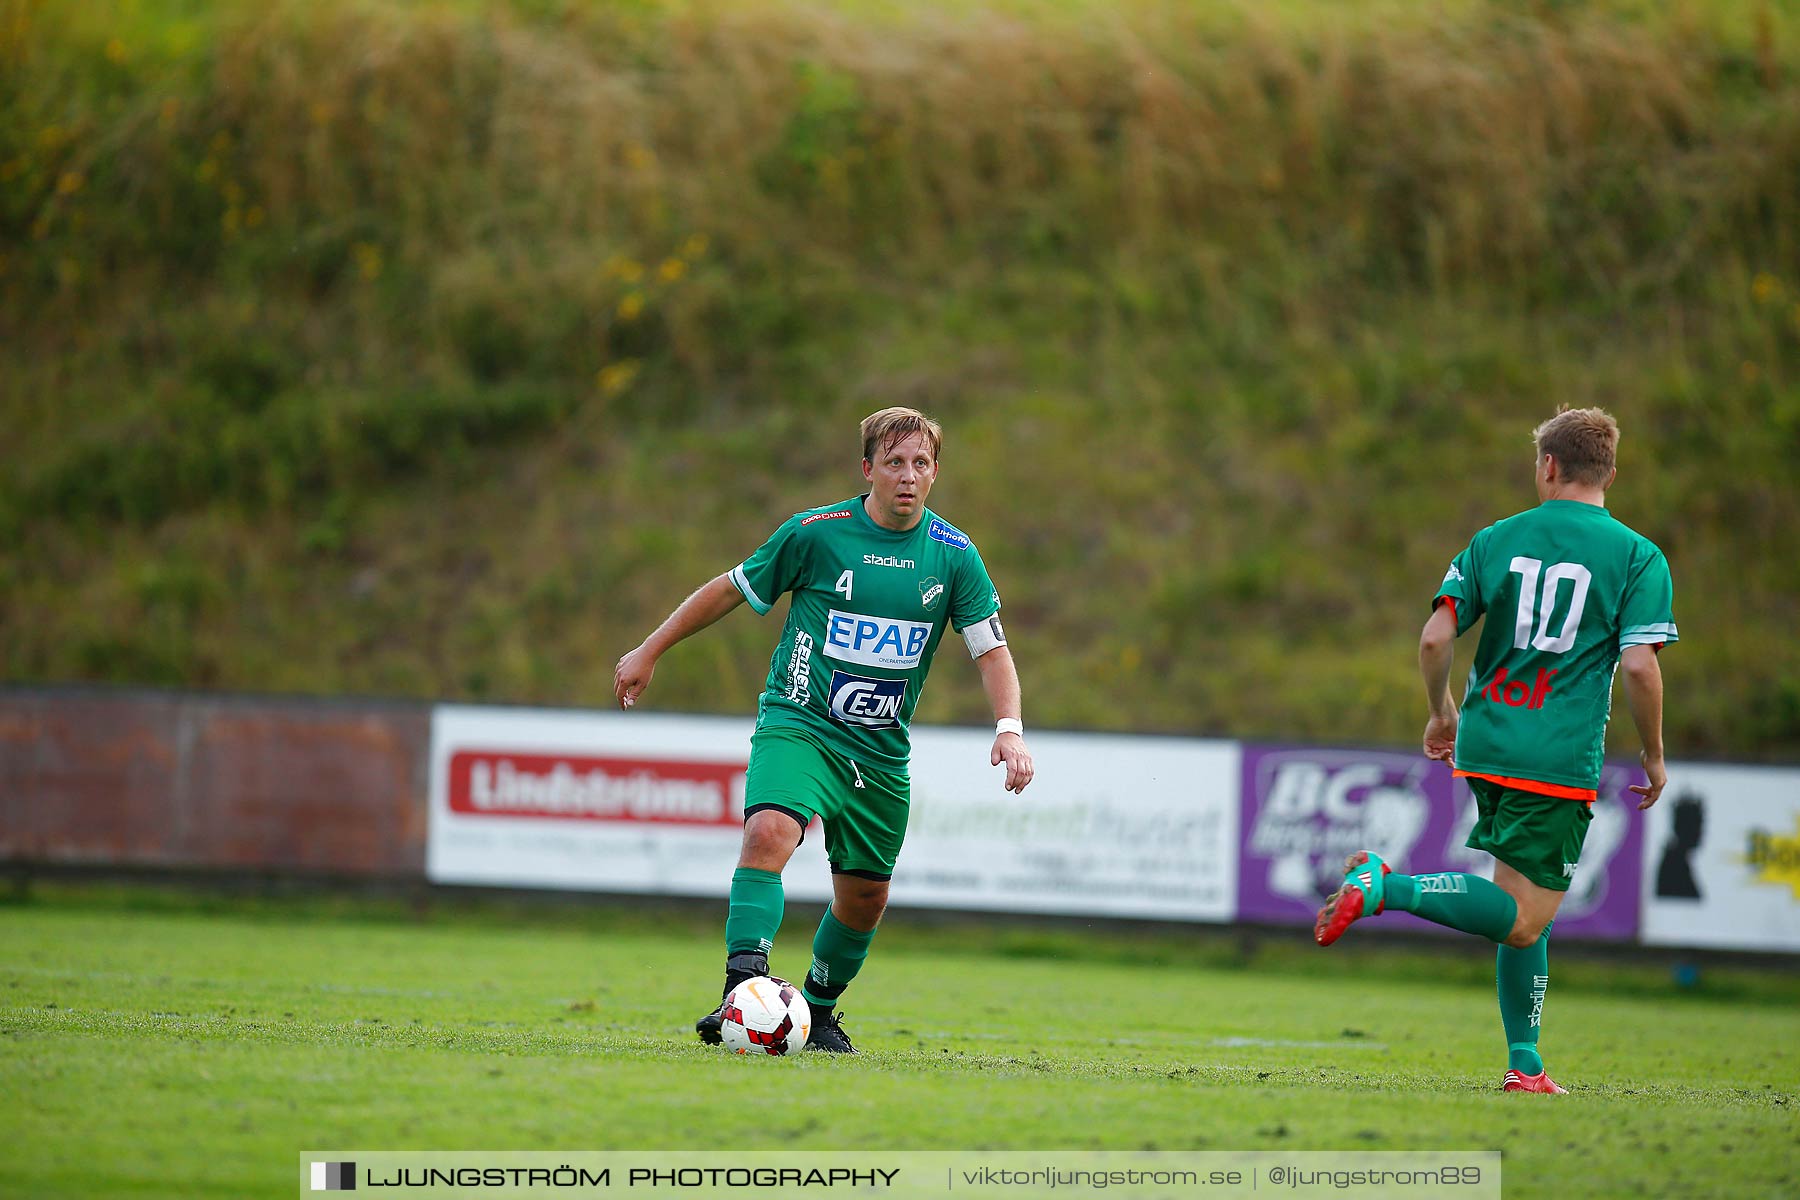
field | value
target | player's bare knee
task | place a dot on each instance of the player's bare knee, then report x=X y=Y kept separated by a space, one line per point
x=1525 y=933
x=861 y=908
x=769 y=841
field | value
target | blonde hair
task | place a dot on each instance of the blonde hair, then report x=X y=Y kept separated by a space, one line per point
x=880 y=430
x=1584 y=440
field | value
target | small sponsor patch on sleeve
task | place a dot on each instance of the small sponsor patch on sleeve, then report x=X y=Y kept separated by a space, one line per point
x=937 y=531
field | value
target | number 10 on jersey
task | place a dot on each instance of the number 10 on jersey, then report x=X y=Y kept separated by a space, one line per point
x=1531 y=630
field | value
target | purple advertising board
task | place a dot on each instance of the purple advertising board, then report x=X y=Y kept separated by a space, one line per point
x=1306 y=808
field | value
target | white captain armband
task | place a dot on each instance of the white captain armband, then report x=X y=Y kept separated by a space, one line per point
x=984 y=635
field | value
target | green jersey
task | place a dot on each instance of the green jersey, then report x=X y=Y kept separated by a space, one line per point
x=870 y=606
x=1566 y=587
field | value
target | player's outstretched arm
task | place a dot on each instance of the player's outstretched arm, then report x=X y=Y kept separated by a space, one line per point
x=709 y=602
x=1437 y=650
x=1000 y=680
x=1644 y=693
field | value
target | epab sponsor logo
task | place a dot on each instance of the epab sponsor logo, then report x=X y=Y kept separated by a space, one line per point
x=875 y=641
x=937 y=531
x=870 y=703
x=1516 y=693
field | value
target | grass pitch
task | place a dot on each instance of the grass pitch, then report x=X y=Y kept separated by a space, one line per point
x=155 y=1043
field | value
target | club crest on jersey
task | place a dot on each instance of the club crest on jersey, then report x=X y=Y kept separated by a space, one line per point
x=870 y=703
x=875 y=641
x=937 y=531
x=929 y=591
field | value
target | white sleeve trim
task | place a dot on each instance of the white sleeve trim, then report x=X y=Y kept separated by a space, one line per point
x=742 y=583
x=1648 y=635
x=984 y=635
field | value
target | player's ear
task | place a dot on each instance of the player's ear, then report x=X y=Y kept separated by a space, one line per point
x=868 y=471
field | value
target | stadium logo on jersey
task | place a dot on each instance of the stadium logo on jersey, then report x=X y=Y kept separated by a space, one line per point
x=1517 y=693
x=1453 y=575
x=875 y=641
x=937 y=531
x=929 y=591
x=871 y=703
x=888 y=560
x=830 y=516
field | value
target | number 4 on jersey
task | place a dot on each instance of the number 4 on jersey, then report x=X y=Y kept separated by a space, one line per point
x=1532 y=628
x=845 y=582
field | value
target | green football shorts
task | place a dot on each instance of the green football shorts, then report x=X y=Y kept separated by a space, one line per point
x=864 y=809
x=1538 y=836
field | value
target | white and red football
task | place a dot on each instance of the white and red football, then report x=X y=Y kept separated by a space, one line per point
x=766 y=1015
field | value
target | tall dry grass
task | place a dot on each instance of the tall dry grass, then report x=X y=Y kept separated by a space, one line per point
x=1249 y=302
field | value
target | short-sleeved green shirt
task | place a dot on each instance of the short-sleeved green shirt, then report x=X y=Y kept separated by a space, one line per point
x=1566 y=588
x=870 y=606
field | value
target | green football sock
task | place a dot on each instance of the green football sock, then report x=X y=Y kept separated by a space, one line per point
x=755 y=913
x=1457 y=900
x=1520 y=977
x=838 y=953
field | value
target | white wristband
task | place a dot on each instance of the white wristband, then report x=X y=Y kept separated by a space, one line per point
x=1009 y=725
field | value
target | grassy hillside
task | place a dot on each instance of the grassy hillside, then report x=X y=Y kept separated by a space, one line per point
x=439 y=349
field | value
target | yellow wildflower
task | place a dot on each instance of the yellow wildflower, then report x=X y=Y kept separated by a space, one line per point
x=616 y=377
x=368 y=259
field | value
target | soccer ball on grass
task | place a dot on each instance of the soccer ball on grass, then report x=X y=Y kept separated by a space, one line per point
x=765 y=1015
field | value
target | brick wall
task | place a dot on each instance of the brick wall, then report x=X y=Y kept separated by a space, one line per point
x=189 y=780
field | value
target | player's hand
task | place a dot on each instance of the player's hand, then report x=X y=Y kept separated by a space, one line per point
x=1009 y=748
x=632 y=676
x=1440 y=738
x=1658 y=777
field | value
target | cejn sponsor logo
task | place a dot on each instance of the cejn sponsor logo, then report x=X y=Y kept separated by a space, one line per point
x=830 y=516
x=489 y=783
x=937 y=531
x=888 y=560
x=870 y=703
x=875 y=641
x=1517 y=693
